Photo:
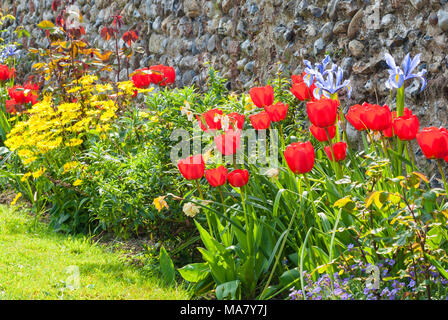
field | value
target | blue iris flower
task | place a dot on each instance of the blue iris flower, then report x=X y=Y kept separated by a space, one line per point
x=9 y=51
x=311 y=72
x=397 y=75
x=327 y=81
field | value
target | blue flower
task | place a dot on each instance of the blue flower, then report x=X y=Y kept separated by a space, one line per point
x=398 y=76
x=350 y=247
x=327 y=81
x=385 y=292
x=319 y=68
x=411 y=283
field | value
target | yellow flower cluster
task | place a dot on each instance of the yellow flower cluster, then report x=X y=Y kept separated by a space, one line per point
x=52 y=125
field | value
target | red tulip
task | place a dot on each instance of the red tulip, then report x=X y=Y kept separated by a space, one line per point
x=238 y=177
x=339 y=150
x=323 y=112
x=406 y=128
x=354 y=116
x=301 y=91
x=216 y=177
x=6 y=73
x=236 y=120
x=406 y=113
x=321 y=134
x=277 y=112
x=10 y=106
x=300 y=157
x=390 y=131
x=377 y=118
x=162 y=75
x=262 y=96
x=260 y=120
x=209 y=118
x=192 y=168
x=229 y=142
x=24 y=94
x=298 y=78
x=446 y=158
x=142 y=78
x=433 y=142
x=299 y=88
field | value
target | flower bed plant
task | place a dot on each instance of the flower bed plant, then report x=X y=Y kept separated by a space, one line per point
x=284 y=205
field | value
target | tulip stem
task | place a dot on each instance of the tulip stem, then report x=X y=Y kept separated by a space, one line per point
x=299 y=189
x=411 y=155
x=400 y=111
x=332 y=154
x=310 y=195
x=206 y=211
x=199 y=189
x=439 y=162
x=248 y=225
x=386 y=153
x=281 y=137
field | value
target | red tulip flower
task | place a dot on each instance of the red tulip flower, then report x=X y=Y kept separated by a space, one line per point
x=211 y=119
x=277 y=112
x=229 y=142
x=377 y=118
x=406 y=113
x=406 y=128
x=142 y=78
x=24 y=94
x=238 y=177
x=260 y=120
x=298 y=78
x=299 y=88
x=301 y=91
x=300 y=157
x=216 y=177
x=163 y=75
x=354 y=116
x=6 y=73
x=322 y=113
x=10 y=106
x=433 y=142
x=390 y=132
x=262 y=96
x=192 y=168
x=236 y=120
x=339 y=150
x=321 y=134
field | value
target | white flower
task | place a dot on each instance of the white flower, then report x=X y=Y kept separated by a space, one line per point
x=272 y=172
x=185 y=110
x=190 y=209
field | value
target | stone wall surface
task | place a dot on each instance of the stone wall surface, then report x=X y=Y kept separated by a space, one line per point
x=248 y=40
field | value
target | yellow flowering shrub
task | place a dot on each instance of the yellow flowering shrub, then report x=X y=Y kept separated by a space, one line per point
x=52 y=125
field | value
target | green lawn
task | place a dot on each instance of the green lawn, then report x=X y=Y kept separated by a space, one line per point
x=35 y=264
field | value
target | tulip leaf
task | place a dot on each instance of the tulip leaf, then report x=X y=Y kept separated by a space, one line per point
x=194 y=272
x=166 y=267
x=228 y=290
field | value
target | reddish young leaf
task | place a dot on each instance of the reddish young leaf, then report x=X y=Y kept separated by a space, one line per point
x=130 y=36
